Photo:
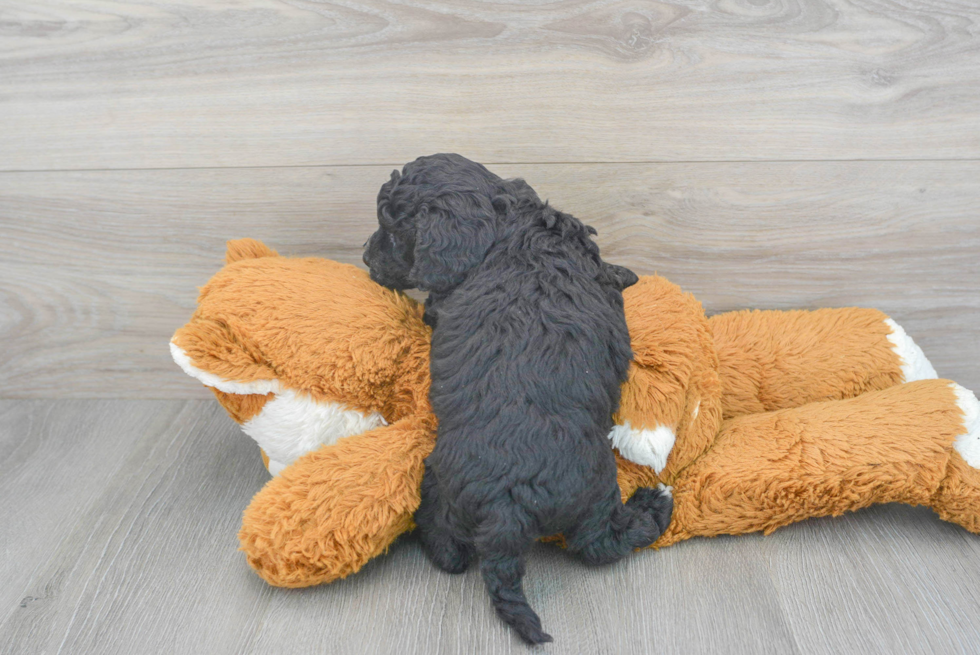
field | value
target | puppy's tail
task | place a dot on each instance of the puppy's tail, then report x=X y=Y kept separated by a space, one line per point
x=502 y=574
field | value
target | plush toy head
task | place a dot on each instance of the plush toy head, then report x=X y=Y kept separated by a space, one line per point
x=354 y=355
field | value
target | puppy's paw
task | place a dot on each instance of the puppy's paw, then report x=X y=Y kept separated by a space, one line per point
x=448 y=554
x=655 y=502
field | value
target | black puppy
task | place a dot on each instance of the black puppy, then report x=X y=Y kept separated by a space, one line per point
x=529 y=349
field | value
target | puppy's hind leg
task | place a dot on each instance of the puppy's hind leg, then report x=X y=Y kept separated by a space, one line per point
x=502 y=544
x=435 y=530
x=615 y=529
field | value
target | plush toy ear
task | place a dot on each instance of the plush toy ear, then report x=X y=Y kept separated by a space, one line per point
x=239 y=249
x=451 y=238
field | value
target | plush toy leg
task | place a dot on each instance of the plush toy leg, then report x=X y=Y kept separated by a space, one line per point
x=327 y=514
x=958 y=498
x=773 y=360
x=914 y=443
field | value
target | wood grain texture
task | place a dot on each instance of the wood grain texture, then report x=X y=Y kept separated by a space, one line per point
x=129 y=84
x=120 y=521
x=99 y=268
x=898 y=562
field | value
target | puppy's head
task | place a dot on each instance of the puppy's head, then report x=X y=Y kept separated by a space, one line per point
x=437 y=219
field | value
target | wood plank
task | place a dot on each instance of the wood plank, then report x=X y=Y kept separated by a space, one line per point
x=865 y=572
x=99 y=268
x=136 y=84
x=121 y=519
x=708 y=596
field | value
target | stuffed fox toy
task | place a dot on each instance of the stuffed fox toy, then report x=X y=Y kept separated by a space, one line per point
x=755 y=419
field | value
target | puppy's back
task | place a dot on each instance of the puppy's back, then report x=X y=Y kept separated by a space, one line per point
x=527 y=362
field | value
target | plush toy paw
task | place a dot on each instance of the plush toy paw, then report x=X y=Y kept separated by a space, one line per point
x=657 y=503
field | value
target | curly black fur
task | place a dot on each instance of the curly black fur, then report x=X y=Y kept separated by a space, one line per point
x=529 y=349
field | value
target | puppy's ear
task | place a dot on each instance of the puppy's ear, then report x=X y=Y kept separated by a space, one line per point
x=452 y=235
x=384 y=194
x=618 y=276
x=572 y=229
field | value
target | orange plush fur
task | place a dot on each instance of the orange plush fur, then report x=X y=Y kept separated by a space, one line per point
x=757 y=419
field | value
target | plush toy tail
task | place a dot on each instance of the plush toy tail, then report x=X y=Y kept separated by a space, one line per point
x=239 y=249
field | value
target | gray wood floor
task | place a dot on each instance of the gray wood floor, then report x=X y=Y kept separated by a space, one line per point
x=120 y=519
x=761 y=153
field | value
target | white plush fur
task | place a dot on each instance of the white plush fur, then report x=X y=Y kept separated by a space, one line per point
x=293 y=424
x=915 y=366
x=968 y=443
x=644 y=446
x=260 y=387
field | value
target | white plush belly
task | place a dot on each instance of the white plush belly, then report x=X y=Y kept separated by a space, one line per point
x=293 y=424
